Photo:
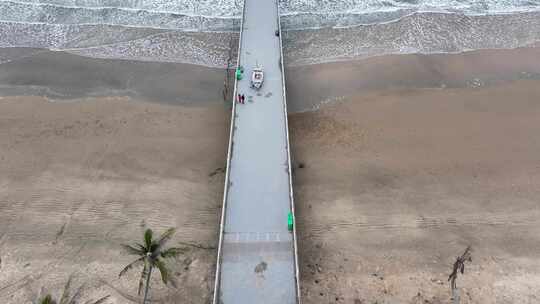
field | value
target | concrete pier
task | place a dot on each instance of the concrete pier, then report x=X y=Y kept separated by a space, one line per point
x=257 y=255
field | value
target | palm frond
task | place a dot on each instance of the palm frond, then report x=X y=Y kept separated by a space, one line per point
x=172 y=281
x=162 y=270
x=173 y=252
x=154 y=250
x=131 y=265
x=47 y=300
x=141 y=247
x=144 y=273
x=65 y=294
x=198 y=246
x=148 y=238
x=132 y=250
x=100 y=301
x=165 y=236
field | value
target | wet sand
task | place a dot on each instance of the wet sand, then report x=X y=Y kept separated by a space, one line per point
x=64 y=76
x=399 y=175
x=308 y=86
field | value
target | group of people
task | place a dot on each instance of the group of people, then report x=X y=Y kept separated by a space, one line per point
x=241 y=98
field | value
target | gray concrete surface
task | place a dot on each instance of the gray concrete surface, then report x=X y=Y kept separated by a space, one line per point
x=257 y=250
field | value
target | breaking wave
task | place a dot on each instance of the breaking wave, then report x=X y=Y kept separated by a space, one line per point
x=200 y=31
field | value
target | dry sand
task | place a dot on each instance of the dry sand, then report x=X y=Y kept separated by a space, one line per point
x=79 y=178
x=397 y=180
x=397 y=184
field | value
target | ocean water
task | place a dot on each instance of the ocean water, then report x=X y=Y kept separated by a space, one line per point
x=202 y=31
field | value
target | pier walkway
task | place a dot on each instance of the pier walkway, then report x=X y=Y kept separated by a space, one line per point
x=257 y=255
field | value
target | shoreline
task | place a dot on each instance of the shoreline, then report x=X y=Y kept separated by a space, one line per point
x=64 y=76
x=413 y=33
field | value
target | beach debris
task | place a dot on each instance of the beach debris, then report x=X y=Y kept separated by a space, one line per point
x=475 y=83
x=60 y=233
x=459 y=266
x=187 y=262
x=217 y=171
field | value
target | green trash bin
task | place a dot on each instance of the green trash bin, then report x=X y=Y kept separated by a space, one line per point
x=238 y=74
x=290 y=221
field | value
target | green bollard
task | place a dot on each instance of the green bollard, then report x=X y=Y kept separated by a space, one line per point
x=290 y=221
x=238 y=74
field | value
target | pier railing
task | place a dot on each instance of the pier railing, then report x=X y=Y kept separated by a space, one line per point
x=288 y=144
x=227 y=170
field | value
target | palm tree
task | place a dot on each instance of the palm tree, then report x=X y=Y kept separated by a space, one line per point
x=151 y=254
x=67 y=298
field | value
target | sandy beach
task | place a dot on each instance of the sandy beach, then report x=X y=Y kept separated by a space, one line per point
x=81 y=177
x=396 y=184
x=408 y=160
